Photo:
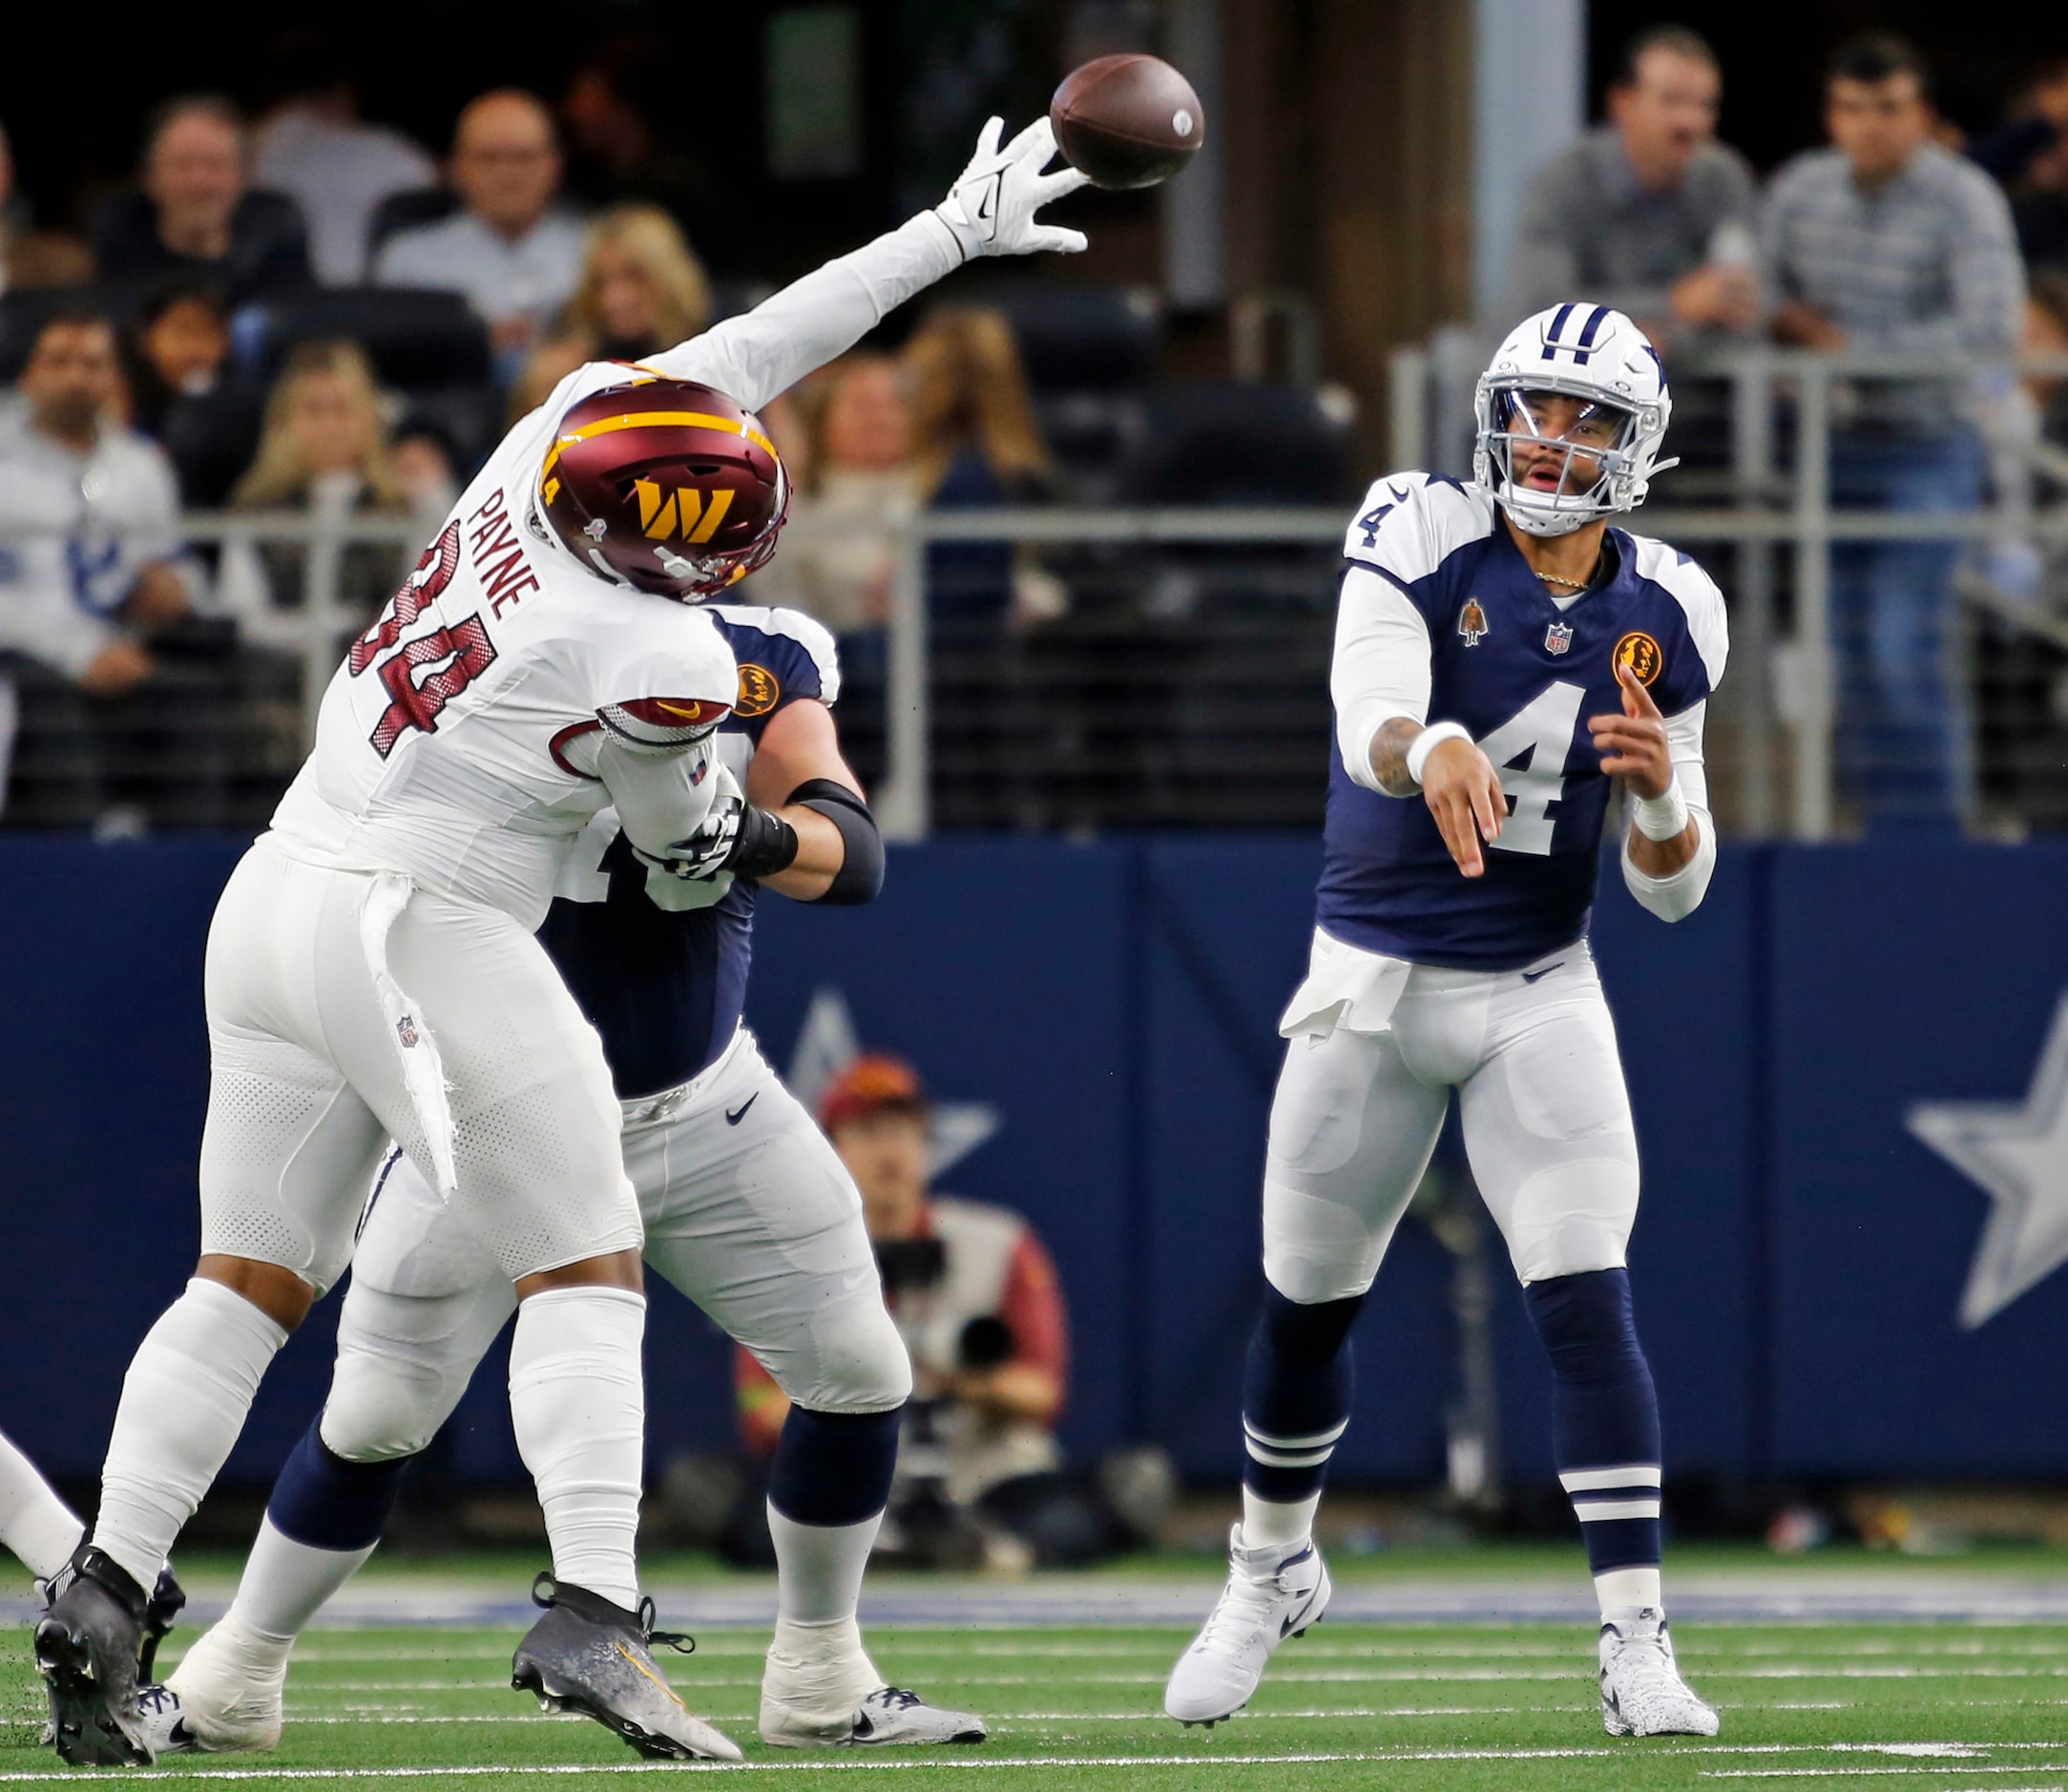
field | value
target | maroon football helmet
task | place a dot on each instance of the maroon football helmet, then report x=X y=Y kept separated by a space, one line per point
x=665 y=484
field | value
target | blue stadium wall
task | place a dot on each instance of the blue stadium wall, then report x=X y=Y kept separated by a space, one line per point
x=1799 y=1256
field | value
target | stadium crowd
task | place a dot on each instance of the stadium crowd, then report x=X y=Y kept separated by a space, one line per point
x=306 y=312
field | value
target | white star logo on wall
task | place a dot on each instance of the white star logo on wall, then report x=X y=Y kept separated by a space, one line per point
x=2019 y=1154
x=827 y=1044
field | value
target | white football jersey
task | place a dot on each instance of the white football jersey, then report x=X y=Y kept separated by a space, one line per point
x=442 y=747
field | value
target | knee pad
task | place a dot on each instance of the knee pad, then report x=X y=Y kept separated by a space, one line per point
x=1572 y=1218
x=382 y=1407
x=855 y=1361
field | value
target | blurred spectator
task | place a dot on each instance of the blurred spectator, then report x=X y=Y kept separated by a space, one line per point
x=90 y=568
x=425 y=462
x=862 y=481
x=976 y=447
x=1648 y=213
x=325 y=451
x=980 y=1474
x=516 y=255
x=195 y=218
x=30 y=256
x=186 y=396
x=618 y=152
x=1886 y=242
x=313 y=146
x=642 y=289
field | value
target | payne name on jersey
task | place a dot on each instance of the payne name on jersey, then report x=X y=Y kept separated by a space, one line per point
x=1522 y=673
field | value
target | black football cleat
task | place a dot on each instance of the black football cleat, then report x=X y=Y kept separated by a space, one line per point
x=87 y=1646
x=167 y=1600
x=589 y=1655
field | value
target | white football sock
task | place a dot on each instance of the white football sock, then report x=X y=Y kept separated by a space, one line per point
x=1275 y=1522
x=34 y=1523
x=1623 y=1588
x=577 y=1402
x=287 y=1583
x=819 y=1567
x=185 y=1399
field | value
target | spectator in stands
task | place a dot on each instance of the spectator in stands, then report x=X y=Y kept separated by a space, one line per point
x=426 y=461
x=642 y=289
x=515 y=254
x=1648 y=213
x=1888 y=242
x=325 y=451
x=185 y=394
x=95 y=573
x=313 y=146
x=195 y=218
x=30 y=256
x=976 y=447
x=981 y=1476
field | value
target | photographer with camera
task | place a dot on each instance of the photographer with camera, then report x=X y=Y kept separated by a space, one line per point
x=981 y=1479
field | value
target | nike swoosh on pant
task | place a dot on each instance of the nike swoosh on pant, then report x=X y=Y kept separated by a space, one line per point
x=734 y=1116
x=1532 y=976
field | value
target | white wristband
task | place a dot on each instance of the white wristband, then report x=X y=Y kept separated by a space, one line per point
x=1662 y=818
x=1428 y=741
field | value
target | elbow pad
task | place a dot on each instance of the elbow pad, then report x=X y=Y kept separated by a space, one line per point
x=1676 y=897
x=862 y=866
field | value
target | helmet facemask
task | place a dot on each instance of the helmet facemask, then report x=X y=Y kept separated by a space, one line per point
x=1558 y=455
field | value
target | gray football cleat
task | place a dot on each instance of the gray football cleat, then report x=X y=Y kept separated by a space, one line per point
x=86 y=1648
x=589 y=1655
x=889 y=1718
x=1641 y=1690
x=163 y=1720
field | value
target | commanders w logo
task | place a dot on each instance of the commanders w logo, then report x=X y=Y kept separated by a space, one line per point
x=681 y=512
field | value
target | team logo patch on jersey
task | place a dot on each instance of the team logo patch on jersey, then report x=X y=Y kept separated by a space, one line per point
x=1557 y=638
x=1471 y=622
x=1638 y=651
x=759 y=690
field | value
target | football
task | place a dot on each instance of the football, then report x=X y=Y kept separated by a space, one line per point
x=1127 y=121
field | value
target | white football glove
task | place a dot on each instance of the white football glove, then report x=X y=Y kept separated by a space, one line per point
x=990 y=208
x=700 y=855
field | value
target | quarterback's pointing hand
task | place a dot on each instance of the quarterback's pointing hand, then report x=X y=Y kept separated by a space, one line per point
x=1633 y=745
x=990 y=208
x=1464 y=794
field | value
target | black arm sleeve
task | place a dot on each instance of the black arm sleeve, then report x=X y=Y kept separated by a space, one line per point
x=861 y=871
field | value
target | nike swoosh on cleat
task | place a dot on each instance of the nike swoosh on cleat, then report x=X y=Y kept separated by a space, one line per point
x=1532 y=976
x=734 y=1116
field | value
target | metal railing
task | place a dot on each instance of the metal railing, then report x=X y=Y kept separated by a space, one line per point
x=1776 y=498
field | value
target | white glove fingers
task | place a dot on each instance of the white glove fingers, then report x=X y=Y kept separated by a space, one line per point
x=1055 y=237
x=987 y=142
x=1035 y=144
x=1049 y=187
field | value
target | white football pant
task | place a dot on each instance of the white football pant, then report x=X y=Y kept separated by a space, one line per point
x=1546 y=1117
x=748 y=1211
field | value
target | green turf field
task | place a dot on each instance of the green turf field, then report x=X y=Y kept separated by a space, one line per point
x=1940 y=1707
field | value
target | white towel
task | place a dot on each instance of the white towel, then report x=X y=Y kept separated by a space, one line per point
x=422 y=1075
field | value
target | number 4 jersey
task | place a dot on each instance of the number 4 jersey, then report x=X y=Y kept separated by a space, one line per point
x=442 y=747
x=1440 y=606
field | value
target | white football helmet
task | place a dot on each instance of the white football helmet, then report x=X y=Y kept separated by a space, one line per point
x=1597 y=356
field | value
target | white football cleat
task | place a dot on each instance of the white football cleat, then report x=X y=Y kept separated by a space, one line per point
x=229 y=1687
x=1641 y=1690
x=163 y=1722
x=1273 y=1593
x=819 y=1690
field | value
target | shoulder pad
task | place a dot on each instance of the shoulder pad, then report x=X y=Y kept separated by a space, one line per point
x=1700 y=602
x=795 y=653
x=1412 y=523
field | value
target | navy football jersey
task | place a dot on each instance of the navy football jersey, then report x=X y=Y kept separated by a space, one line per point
x=665 y=988
x=1522 y=675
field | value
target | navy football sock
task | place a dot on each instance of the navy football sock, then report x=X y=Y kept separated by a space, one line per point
x=1296 y=1394
x=1604 y=1414
x=327 y=1503
x=834 y=1468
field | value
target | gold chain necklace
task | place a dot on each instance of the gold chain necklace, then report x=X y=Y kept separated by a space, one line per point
x=1570 y=584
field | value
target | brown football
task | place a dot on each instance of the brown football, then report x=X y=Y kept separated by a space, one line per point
x=1127 y=121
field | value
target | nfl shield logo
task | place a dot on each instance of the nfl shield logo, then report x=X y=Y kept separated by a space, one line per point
x=1557 y=638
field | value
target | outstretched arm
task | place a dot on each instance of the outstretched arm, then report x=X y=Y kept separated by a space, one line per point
x=989 y=211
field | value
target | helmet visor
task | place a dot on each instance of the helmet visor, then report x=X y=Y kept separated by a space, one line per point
x=1551 y=445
